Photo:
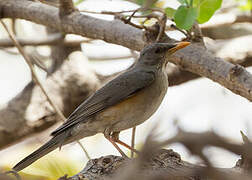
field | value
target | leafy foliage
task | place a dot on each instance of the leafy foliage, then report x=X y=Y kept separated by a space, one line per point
x=185 y=16
x=206 y=9
x=170 y=12
x=191 y=10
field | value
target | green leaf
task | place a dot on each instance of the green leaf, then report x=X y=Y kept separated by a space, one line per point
x=196 y=3
x=170 y=12
x=185 y=17
x=206 y=9
x=191 y=3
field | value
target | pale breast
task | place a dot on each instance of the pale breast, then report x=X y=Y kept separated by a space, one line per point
x=136 y=109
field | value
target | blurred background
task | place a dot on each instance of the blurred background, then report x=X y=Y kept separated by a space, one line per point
x=198 y=105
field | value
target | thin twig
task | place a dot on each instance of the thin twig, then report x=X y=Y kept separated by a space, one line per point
x=162 y=24
x=13 y=25
x=161 y=21
x=148 y=16
x=84 y=150
x=106 y=12
x=121 y=12
x=119 y=15
x=127 y=21
x=176 y=28
x=35 y=78
x=36 y=59
x=133 y=136
x=132 y=15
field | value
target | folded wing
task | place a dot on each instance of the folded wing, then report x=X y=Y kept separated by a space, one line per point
x=115 y=91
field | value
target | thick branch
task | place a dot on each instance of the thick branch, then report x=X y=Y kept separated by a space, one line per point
x=233 y=77
x=163 y=162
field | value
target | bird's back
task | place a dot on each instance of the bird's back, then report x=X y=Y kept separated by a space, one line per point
x=136 y=109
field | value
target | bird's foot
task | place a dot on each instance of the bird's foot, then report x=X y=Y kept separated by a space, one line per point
x=115 y=137
x=108 y=137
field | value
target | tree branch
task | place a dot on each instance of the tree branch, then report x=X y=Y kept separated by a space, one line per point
x=233 y=77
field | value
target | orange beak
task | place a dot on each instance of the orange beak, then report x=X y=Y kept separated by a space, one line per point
x=178 y=46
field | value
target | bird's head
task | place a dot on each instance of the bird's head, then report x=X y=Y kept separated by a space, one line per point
x=156 y=53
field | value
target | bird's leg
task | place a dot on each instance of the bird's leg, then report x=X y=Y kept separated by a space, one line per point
x=109 y=137
x=115 y=138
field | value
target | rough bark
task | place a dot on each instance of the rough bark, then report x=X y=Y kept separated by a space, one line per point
x=107 y=167
x=163 y=165
x=233 y=77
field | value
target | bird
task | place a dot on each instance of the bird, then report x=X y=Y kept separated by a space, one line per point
x=122 y=103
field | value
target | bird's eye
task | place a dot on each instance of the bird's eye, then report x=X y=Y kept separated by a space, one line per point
x=158 y=50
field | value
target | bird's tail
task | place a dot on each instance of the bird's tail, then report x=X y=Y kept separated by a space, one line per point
x=52 y=144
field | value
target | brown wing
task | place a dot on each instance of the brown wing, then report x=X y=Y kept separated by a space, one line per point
x=112 y=93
